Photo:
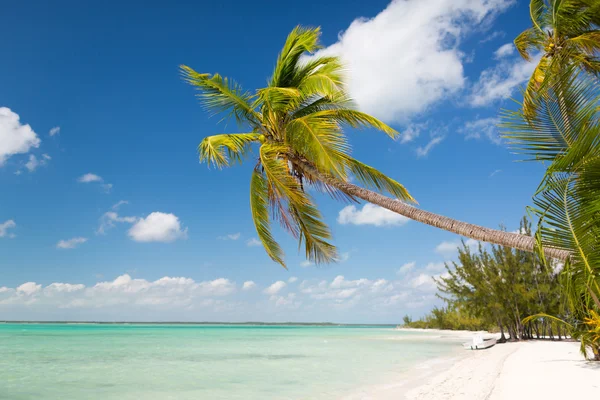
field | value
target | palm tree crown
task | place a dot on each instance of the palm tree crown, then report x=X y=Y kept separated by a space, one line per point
x=566 y=33
x=297 y=122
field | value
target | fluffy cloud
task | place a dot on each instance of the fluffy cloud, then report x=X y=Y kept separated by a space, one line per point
x=5 y=226
x=54 y=131
x=499 y=82
x=370 y=214
x=292 y=279
x=231 y=236
x=15 y=138
x=28 y=288
x=182 y=298
x=408 y=57
x=71 y=243
x=275 y=288
x=157 y=227
x=423 y=151
x=504 y=50
x=450 y=249
x=166 y=292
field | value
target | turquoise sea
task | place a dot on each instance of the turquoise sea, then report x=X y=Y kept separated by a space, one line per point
x=151 y=362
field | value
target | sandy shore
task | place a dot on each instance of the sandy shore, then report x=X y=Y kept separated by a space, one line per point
x=526 y=370
x=512 y=371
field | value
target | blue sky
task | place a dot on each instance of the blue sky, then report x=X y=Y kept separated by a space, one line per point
x=113 y=199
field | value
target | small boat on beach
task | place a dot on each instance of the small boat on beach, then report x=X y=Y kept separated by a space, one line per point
x=479 y=343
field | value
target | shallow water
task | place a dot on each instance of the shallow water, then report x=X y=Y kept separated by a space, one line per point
x=88 y=361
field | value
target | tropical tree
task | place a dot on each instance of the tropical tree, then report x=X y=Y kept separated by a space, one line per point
x=565 y=33
x=502 y=286
x=565 y=133
x=297 y=122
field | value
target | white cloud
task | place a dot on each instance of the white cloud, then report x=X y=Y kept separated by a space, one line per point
x=370 y=214
x=423 y=282
x=231 y=236
x=292 y=279
x=15 y=138
x=34 y=162
x=71 y=243
x=157 y=227
x=59 y=287
x=275 y=288
x=253 y=242
x=436 y=267
x=408 y=57
x=423 y=151
x=306 y=264
x=5 y=226
x=450 y=249
x=504 y=50
x=108 y=220
x=54 y=131
x=406 y=268
x=29 y=288
x=499 y=82
x=165 y=293
x=482 y=127
x=412 y=132
x=183 y=299
x=89 y=177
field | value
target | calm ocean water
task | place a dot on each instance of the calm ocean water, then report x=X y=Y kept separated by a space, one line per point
x=151 y=362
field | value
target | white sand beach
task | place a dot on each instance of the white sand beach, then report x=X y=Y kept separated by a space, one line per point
x=511 y=371
x=526 y=370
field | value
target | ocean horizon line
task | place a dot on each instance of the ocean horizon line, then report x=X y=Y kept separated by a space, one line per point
x=195 y=323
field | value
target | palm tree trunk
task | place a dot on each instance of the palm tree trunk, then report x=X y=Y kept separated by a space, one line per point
x=480 y=233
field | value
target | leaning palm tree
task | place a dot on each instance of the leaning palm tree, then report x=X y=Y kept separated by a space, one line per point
x=565 y=33
x=568 y=199
x=297 y=122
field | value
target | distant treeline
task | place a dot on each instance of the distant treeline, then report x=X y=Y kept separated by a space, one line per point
x=495 y=289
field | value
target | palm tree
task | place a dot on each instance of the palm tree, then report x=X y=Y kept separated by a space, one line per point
x=565 y=33
x=297 y=123
x=568 y=199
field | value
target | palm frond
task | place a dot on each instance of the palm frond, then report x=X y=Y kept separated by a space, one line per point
x=562 y=107
x=527 y=41
x=536 y=12
x=320 y=141
x=222 y=150
x=313 y=232
x=375 y=180
x=278 y=98
x=219 y=95
x=301 y=40
x=259 y=202
x=356 y=119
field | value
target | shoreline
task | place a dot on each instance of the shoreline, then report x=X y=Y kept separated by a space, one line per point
x=515 y=370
